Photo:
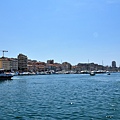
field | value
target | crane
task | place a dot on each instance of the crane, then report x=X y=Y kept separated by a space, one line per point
x=4 y=51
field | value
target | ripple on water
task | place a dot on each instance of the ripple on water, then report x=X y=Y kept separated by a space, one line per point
x=61 y=97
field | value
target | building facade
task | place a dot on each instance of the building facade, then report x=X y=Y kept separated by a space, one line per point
x=113 y=64
x=50 y=61
x=66 y=66
x=14 y=64
x=22 y=62
x=5 y=63
x=9 y=64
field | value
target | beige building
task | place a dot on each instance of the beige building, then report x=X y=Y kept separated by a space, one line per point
x=8 y=63
x=5 y=63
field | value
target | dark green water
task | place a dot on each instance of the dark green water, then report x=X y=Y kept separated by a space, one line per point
x=61 y=97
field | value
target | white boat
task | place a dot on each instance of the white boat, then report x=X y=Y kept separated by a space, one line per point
x=14 y=73
x=5 y=76
x=108 y=72
x=92 y=73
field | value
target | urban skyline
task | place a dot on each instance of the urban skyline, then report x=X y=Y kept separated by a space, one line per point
x=113 y=63
x=22 y=64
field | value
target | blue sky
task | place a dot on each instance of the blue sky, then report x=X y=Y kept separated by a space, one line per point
x=63 y=30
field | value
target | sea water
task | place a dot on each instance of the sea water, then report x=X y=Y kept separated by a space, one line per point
x=61 y=97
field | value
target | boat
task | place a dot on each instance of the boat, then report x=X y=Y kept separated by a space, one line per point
x=92 y=73
x=108 y=73
x=5 y=76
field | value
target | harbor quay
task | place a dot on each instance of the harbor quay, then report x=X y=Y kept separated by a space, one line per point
x=24 y=66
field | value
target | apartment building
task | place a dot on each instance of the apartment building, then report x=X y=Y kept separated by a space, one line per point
x=9 y=64
x=50 y=61
x=5 y=63
x=66 y=66
x=14 y=64
x=113 y=64
x=22 y=62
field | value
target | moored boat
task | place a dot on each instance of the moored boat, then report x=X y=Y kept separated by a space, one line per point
x=92 y=73
x=5 y=76
x=108 y=73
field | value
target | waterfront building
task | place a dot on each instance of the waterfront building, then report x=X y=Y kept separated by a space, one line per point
x=9 y=64
x=22 y=62
x=58 y=66
x=66 y=66
x=29 y=60
x=113 y=64
x=50 y=61
x=51 y=67
x=34 y=66
x=83 y=67
x=14 y=64
x=88 y=67
x=5 y=63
